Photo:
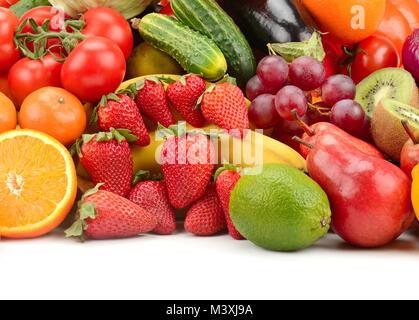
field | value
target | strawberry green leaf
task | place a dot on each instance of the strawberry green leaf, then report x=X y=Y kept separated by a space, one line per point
x=118 y=136
x=156 y=80
x=225 y=167
x=131 y=91
x=163 y=132
x=140 y=176
x=127 y=135
x=167 y=80
x=76 y=229
x=139 y=85
x=76 y=148
x=88 y=210
x=114 y=97
x=228 y=79
x=91 y=191
x=104 y=136
x=179 y=129
x=95 y=115
x=86 y=138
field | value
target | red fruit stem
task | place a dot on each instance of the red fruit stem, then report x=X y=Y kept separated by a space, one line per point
x=409 y=132
x=303 y=142
x=302 y=124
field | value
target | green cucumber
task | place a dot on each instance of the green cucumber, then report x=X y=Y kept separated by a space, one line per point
x=21 y=7
x=207 y=17
x=195 y=52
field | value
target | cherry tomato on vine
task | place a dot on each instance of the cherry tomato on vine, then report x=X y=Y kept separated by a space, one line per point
x=27 y=76
x=96 y=67
x=40 y=14
x=167 y=10
x=164 y=3
x=8 y=3
x=9 y=54
x=374 y=53
x=110 y=24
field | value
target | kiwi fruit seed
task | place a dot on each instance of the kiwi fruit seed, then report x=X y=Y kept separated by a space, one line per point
x=391 y=83
x=387 y=128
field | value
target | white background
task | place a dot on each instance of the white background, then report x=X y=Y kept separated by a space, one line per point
x=183 y=266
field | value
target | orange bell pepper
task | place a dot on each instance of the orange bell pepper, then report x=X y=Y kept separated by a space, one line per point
x=415 y=190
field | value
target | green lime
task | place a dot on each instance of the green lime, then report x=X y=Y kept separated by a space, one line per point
x=279 y=208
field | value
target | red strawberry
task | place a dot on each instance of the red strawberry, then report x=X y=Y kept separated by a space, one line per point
x=121 y=112
x=226 y=181
x=206 y=216
x=107 y=158
x=105 y=215
x=152 y=196
x=152 y=101
x=225 y=105
x=184 y=94
x=187 y=163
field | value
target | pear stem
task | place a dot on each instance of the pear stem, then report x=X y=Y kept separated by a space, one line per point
x=409 y=132
x=303 y=142
x=302 y=124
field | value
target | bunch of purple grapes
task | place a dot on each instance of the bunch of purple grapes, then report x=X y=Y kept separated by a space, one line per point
x=279 y=88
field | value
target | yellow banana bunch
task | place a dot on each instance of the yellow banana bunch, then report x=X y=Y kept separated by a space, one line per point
x=254 y=149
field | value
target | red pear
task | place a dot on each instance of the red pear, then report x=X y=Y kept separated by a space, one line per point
x=319 y=129
x=369 y=196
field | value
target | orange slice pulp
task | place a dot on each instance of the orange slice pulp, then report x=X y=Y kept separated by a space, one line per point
x=38 y=183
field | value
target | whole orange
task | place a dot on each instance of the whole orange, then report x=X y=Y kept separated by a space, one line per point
x=4 y=86
x=54 y=111
x=8 y=116
x=346 y=21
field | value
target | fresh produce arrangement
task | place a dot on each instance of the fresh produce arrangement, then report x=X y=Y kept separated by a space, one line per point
x=272 y=121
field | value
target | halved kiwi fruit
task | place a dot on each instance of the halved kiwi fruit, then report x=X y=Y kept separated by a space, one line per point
x=387 y=129
x=391 y=83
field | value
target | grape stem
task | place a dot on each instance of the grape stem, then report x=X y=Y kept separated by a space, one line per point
x=409 y=132
x=302 y=124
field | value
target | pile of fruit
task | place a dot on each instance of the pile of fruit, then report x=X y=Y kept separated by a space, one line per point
x=272 y=120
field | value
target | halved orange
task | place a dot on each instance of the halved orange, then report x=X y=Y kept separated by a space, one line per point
x=38 y=183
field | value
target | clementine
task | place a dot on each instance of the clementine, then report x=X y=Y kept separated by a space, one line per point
x=346 y=21
x=54 y=111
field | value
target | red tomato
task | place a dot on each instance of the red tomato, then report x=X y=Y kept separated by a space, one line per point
x=27 y=76
x=377 y=53
x=96 y=67
x=332 y=59
x=164 y=3
x=9 y=54
x=7 y=3
x=394 y=27
x=167 y=10
x=109 y=23
x=410 y=10
x=40 y=14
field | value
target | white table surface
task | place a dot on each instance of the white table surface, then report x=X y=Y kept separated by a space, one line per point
x=183 y=266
